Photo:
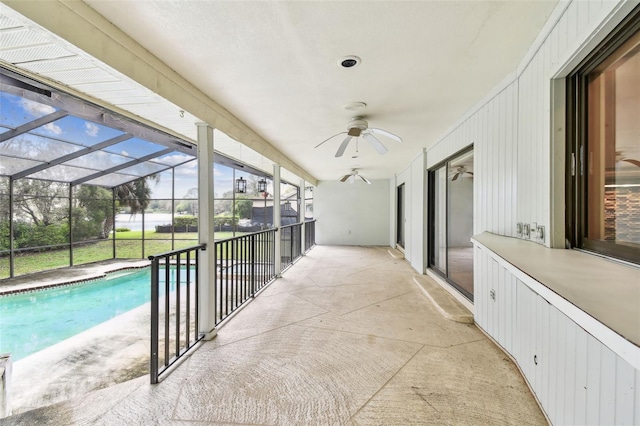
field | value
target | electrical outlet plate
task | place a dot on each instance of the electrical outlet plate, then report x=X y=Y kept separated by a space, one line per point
x=519 y=229
x=540 y=233
x=526 y=231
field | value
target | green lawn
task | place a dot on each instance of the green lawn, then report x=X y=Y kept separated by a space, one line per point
x=128 y=246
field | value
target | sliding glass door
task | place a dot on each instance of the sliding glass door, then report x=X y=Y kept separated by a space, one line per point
x=451 y=221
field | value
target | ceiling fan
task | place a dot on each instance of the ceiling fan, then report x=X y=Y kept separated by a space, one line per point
x=460 y=171
x=620 y=156
x=351 y=177
x=359 y=127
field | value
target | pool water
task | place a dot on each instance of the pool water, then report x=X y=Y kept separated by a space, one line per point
x=30 y=322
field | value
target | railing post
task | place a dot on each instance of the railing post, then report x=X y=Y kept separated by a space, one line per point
x=253 y=265
x=154 y=320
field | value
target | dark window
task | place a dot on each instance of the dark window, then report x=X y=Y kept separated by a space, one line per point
x=604 y=147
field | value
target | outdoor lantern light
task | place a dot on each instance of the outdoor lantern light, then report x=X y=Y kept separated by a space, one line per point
x=241 y=186
x=262 y=185
x=287 y=206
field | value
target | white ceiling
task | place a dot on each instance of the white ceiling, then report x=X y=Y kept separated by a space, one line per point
x=273 y=64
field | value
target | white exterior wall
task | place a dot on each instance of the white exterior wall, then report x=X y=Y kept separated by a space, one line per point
x=578 y=379
x=352 y=214
x=414 y=178
x=416 y=215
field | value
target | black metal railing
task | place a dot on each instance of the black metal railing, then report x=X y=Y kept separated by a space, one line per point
x=290 y=244
x=309 y=235
x=245 y=265
x=174 y=307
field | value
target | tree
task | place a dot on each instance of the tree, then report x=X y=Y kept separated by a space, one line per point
x=42 y=202
x=244 y=209
x=137 y=194
x=189 y=203
x=92 y=212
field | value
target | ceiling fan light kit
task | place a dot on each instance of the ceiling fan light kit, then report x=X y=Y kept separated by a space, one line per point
x=351 y=177
x=360 y=127
x=355 y=106
x=460 y=172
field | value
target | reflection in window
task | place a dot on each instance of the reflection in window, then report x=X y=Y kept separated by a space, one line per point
x=614 y=148
x=451 y=221
x=607 y=183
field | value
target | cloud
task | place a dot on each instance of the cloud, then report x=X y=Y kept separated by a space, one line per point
x=36 y=109
x=188 y=169
x=53 y=128
x=125 y=153
x=91 y=129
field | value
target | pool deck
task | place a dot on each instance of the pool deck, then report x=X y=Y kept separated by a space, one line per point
x=345 y=337
x=67 y=276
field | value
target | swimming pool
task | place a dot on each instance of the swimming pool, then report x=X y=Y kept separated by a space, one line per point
x=30 y=322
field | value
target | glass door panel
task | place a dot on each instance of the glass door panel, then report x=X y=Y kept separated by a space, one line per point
x=440 y=219
x=460 y=223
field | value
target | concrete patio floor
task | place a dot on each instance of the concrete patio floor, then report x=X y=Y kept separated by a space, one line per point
x=345 y=337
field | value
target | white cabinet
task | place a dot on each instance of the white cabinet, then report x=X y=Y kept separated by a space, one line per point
x=576 y=378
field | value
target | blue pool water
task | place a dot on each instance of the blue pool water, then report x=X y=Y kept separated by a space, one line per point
x=30 y=322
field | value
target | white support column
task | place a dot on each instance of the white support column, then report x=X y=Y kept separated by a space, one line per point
x=301 y=207
x=207 y=260
x=276 y=216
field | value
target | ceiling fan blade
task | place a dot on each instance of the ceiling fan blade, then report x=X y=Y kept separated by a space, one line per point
x=455 y=176
x=345 y=177
x=326 y=140
x=632 y=161
x=365 y=179
x=387 y=134
x=343 y=146
x=471 y=173
x=375 y=143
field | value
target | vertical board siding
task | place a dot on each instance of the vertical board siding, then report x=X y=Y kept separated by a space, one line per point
x=511 y=131
x=581 y=349
x=594 y=350
x=493 y=133
x=577 y=379
x=625 y=378
x=607 y=387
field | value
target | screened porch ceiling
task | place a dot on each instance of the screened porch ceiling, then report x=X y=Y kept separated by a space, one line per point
x=52 y=136
x=49 y=135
